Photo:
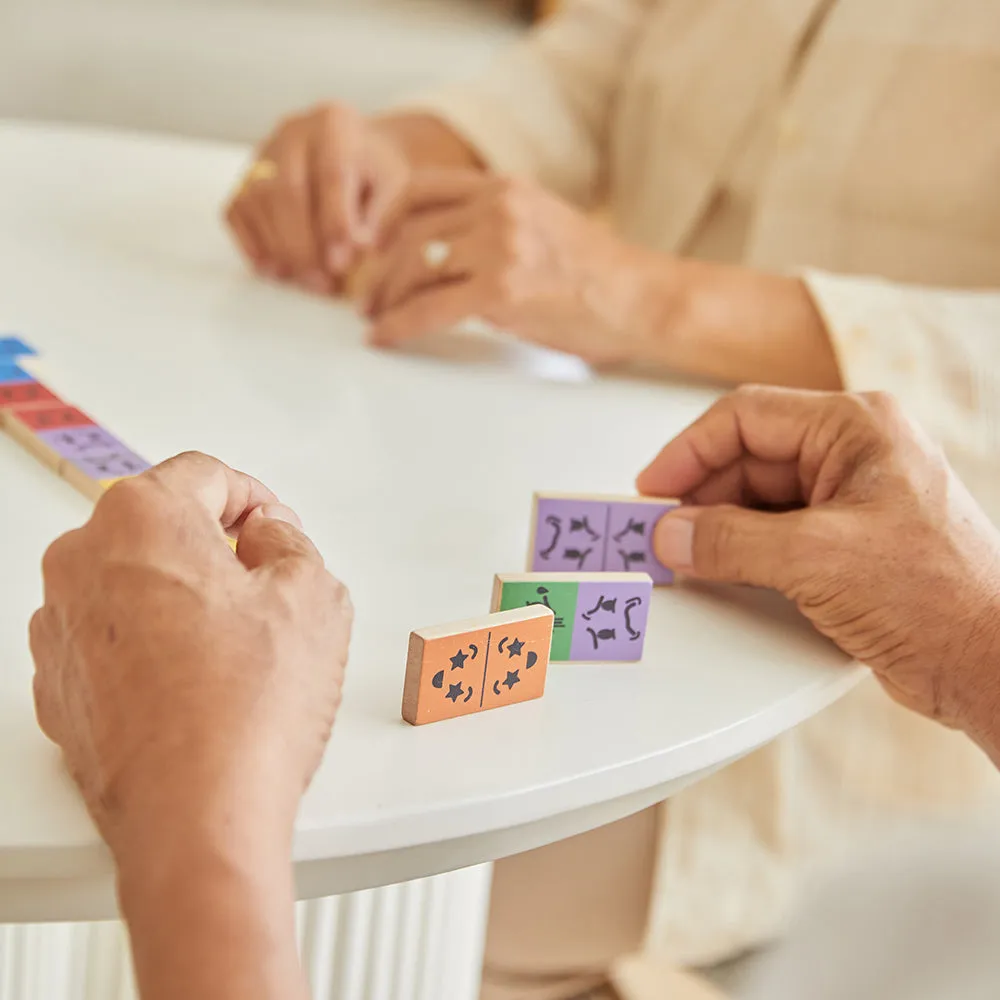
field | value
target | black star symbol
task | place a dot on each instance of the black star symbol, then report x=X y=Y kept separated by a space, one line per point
x=458 y=660
x=514 y=649
x=512 y=679
x=455 y=691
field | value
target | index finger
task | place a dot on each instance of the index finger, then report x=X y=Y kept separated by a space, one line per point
x=226 y=495
x=765 y=423
x=336 y=181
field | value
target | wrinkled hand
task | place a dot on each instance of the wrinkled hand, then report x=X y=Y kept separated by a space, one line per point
x=183 y=682
x=336 y=175
x=518 y=257
x=864 y=526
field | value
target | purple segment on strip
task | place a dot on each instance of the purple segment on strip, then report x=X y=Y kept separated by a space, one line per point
x=111 y=464
x=79 y=442
x=630 y=540
x=570 y=536
x=610 y=622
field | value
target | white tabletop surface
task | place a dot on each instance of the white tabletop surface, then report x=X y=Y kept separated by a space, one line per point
x=413 y=473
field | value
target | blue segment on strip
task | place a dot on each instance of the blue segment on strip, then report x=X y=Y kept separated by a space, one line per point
x=14 y=347
x=10 y=373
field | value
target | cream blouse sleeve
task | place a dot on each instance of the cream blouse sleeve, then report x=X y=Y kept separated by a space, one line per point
x=937 y=351
x=542 y=108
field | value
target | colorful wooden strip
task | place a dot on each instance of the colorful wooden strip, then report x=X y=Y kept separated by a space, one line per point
x=14 y=347
x=28 y=393
x=13 y=374
x=598 y=616
x=49 y=418
x=477 y=664
x=573 y=532
x=62 y=437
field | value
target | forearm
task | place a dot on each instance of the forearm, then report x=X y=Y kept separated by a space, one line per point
x=733 y=324
x=206 y=925
x=428 y=142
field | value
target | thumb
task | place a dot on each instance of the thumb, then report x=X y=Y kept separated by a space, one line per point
x=726 y=543
x=271 y=533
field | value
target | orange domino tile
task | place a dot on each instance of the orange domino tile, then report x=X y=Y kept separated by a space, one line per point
x=477 y=664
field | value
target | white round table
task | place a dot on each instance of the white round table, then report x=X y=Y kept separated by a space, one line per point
x=413 y=473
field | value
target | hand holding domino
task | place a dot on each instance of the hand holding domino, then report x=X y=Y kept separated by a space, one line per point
x=577 y=532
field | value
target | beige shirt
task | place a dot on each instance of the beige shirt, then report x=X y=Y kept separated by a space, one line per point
x=851 y=136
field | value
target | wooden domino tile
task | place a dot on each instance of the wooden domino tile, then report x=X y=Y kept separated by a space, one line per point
x=598 y=616
x=591 y=533
x=478 y=664
x=24 y=394
x=24 y=422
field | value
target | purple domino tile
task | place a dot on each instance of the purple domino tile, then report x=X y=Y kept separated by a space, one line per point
x=610 y=621
x=115 y=464
x=630 y=540
x=569 y=536
x=78 y=442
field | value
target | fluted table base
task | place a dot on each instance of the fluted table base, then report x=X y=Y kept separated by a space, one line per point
x=421 y=940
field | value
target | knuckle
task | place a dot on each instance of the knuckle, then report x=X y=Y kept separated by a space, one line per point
x=286 y=131
x=193 y=457
x=340 y=596
x=125 y=500
x=882 y=404
x=55 y=557
x=752 y=392
x=873 y=411
x=330 y=114
x=872 y=425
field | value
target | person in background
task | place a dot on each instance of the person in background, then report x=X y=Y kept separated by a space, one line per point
x=694 y=186
x=192 y=693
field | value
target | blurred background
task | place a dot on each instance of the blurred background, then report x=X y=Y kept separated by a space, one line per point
x=229 y=69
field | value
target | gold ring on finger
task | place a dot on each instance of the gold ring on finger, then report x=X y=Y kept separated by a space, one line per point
x=260 y=170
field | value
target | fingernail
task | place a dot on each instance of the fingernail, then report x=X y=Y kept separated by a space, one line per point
x=338 y=256
x=277 y=512
x=673 y=542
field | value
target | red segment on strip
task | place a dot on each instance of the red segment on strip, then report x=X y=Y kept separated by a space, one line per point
x=14 y=394
x=50 y=418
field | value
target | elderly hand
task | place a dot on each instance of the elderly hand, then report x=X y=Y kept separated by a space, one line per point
x=464 y=244
x=316 y=193
x=313 y=202
x=841 y=504
x=190 y=689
